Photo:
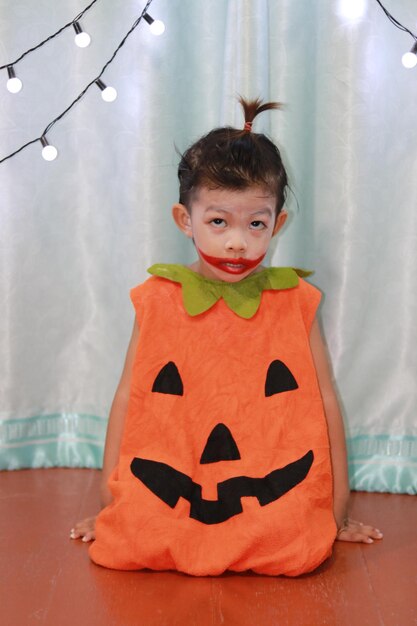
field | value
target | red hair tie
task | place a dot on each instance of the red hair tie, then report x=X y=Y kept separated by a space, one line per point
x=248 y=126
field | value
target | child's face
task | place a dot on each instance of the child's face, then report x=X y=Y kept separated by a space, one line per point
x=231 y=229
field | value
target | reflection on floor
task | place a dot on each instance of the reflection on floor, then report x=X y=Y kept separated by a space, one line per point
x=46 y=578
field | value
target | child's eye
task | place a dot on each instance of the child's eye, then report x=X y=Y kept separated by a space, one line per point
x=218 y=221
x=258 y=225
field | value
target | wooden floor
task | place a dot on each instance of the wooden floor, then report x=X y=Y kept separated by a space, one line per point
x=47 y=578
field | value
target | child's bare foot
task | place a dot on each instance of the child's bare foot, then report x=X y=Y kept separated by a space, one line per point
x=356 y=531
x=84 y=529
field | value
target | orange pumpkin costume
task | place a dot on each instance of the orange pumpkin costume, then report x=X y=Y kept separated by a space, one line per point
x=224 y=462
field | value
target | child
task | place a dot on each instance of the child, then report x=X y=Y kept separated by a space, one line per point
x=225 y=447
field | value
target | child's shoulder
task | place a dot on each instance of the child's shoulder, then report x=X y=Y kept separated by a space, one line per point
x=307 y=289
x=298 y=295
x=153 y=285
x=309 y=298
x=293 y=281
x=165 y=278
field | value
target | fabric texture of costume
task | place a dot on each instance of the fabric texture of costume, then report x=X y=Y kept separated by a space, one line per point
x=224 y=461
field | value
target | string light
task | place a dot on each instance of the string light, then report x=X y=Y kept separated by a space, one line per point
x=109 y=94
x=58 y=32
x=49 y=153
x=157 y=27
x=355 y=8
x=352 y=9
x=14 y=84
x=409 y=59
x=42 y=138
x=82 y=39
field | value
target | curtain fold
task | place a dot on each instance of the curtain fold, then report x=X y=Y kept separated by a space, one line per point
x=77 y=233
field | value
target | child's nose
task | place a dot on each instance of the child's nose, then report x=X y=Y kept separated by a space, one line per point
x=236 y=242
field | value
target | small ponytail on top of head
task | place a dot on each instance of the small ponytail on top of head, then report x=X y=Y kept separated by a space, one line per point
x=252 y=108
x=234 y=159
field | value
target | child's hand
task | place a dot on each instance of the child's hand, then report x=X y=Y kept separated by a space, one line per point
x=84 y=529
x=356 y=531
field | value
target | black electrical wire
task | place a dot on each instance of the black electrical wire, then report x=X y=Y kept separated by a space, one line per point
x=396 y=22
x=84 y=91
x=76 y=19
x=391 y=18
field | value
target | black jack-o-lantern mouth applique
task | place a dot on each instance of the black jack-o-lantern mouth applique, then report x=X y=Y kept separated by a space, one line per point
x=169 y=484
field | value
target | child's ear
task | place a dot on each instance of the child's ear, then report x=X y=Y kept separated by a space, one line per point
x=280 y=221
x=182 y=218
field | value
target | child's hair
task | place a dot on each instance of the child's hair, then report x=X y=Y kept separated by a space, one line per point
x=234 y=159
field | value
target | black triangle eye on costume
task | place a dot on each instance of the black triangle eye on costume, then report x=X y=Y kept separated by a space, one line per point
x=279 y=379
x=169 y=381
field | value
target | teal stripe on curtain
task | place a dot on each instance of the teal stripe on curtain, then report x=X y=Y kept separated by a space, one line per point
x=383 y=463
x=376 y=462
x=57 y=440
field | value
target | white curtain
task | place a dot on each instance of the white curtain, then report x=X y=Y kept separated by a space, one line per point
x=79 y=232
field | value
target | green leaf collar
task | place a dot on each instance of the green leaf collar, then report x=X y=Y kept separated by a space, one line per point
x=243 y=297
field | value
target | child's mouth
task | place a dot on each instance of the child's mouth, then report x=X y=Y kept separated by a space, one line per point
x=231 y=266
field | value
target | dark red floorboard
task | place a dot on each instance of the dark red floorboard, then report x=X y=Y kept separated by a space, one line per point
x=46 y=578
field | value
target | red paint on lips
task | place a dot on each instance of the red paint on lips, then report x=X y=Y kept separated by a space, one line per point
x=231 y=266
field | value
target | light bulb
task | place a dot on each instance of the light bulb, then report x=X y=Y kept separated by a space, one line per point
x=352 y=9
x=156 y=26
x=81 y=38
x=49 y=153
x=409 y=59
x=14 y=85
x=109 y=94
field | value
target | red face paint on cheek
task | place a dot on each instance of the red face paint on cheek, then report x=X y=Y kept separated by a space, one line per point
x=231 y=266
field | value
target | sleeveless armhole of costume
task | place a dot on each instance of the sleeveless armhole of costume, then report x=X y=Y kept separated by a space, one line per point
x=309 y=299
x=138 y=296
x=135 y=297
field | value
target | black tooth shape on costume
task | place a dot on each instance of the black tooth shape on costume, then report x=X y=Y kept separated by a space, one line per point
x=169 y=485
x=220 y=446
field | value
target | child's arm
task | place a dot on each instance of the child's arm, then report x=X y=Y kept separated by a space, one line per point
x=348 y=530
x=85 y=528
